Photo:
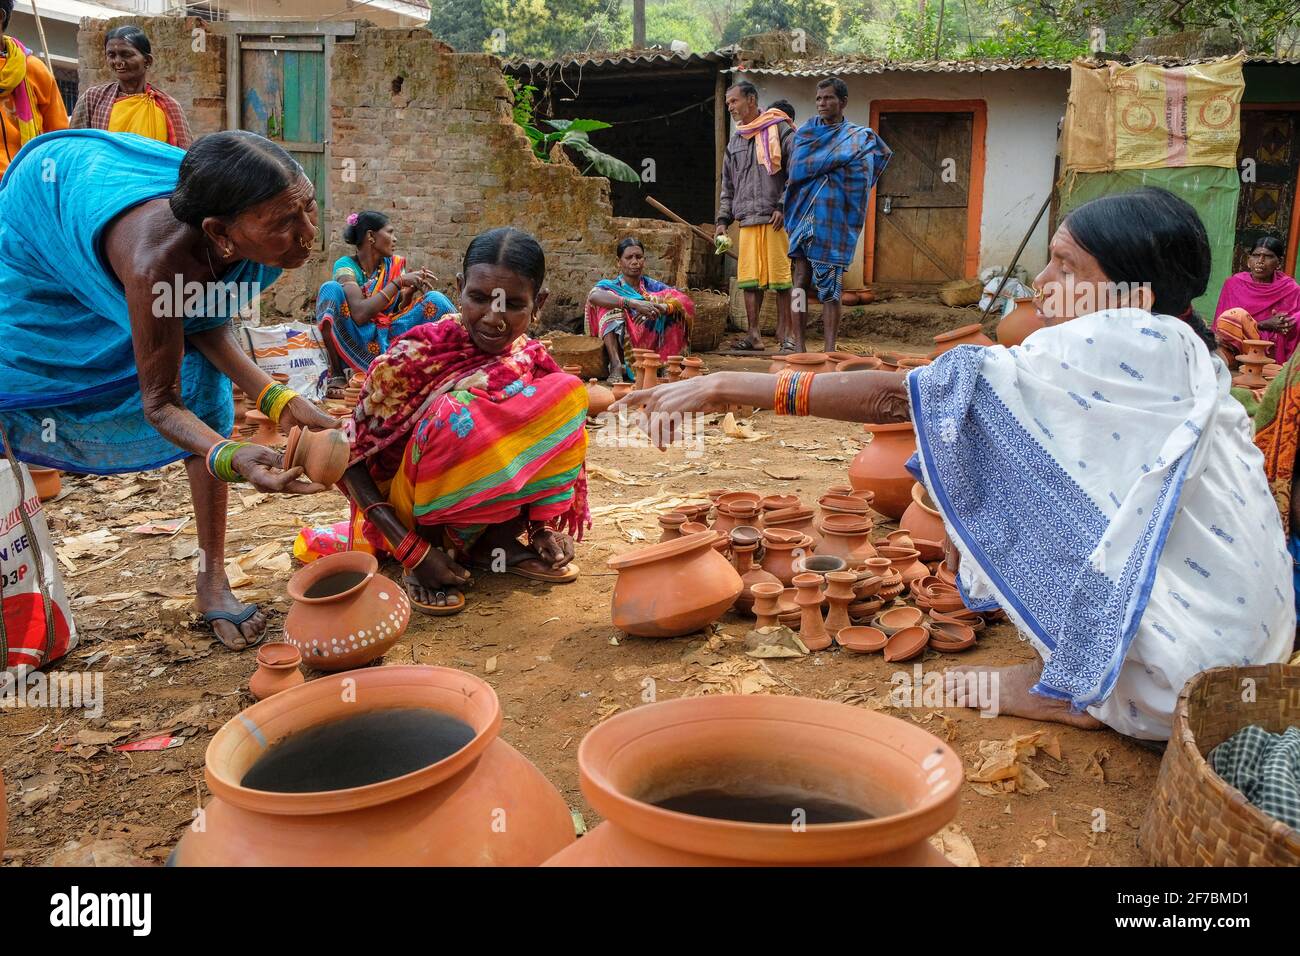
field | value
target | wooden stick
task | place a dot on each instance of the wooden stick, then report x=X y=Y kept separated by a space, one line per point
x=40 y=31
x=676 y=218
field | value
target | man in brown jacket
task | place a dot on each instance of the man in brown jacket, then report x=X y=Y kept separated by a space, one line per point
x=753 y=186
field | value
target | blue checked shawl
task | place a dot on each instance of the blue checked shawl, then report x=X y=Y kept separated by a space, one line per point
x=832 y=171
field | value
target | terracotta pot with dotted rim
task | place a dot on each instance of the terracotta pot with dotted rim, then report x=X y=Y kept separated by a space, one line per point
x=905 y=776
x=438 y=815
x=881 y=467
x=673 y=588
x=277 y=670
x=345 y=614
x=972 y=334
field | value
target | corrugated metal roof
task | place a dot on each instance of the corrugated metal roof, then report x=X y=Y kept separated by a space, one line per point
x=847 y=66
x=625 y=58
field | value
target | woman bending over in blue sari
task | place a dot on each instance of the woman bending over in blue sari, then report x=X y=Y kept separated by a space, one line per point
x=109 y=363
x=370 y=299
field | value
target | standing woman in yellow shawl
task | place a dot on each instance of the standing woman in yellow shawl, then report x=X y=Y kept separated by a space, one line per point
x=130 y=103
x=30 y=103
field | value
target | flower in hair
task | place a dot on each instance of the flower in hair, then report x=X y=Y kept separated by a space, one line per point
x=352 y=219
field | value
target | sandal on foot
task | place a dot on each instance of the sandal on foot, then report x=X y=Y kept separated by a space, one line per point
x=435 y=610
x=238 y=619
x=566 y=575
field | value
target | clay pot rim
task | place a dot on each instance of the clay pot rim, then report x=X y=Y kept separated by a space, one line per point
x=769 y=842
x=780 y=588
x=893 y=427
x=673 y=517
x=732 y=497
x=328 y=565
x=820 y=357
x=315 y=699
x=800 y=565
x=959 y=333
x=278 y=654
x=859 y=364
x=785 y=515
x=857 y=640
x=783 y=537
x=686 y=544
x=845 y=524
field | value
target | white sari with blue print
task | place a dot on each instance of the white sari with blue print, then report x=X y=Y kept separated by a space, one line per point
x=1102 y=487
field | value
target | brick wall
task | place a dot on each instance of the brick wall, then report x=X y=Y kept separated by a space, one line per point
x=438 y=152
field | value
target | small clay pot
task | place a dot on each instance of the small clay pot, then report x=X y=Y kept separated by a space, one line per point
x=779 y=554
x=1020 y=323
x=814 y=362
x=898 y=618
x=922 y=519
x=345 y=614
x=673 y=588
x=599 y=398
x=692 y=367
x=900 y=539
x=966 y=335
x=621 y=390
x=277 y=670
x=671 y=525
x=906 y=643
x=323 y=455
x=48 y=482
x=844 y=505
x=862 y=640
x=265 y=433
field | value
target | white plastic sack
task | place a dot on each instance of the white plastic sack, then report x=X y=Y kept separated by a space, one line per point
x=294 y=349
x=29 y=638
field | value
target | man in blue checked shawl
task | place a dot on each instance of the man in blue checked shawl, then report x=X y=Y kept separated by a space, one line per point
x=834 y=167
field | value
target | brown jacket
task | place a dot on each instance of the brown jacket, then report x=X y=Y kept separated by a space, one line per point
x=749 y=193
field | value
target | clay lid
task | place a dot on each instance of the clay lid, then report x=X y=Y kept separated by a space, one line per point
x=279 y=654
x=782 y=536
x=846 y=524
x=906 y=644
x=780 y=503
x=735 y=497
x=745 y=535
x=959 y=333
x=849 y=503
x=686 y=544
x=863 y=640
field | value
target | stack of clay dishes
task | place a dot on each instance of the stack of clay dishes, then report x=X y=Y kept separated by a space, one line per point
x=779 y=547
x=670 y=525
x=845 y=536
x=737 y=512
x=966 y=618
x=1252 y=362
x=862 y=640
x=898 y=618
x=797 y=518
x=951 y=638
x=1271 y=371
x=852 y=504
x=791 y=612
x=945 y=574
x=906 y=643
x=929 y=593
x=696 y=512
x=865 y=609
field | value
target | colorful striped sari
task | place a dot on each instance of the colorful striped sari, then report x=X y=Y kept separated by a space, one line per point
x=460 y=439
x=358 y=344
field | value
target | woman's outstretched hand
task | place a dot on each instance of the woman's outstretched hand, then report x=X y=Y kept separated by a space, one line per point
x=261 y=467
x=660 y=411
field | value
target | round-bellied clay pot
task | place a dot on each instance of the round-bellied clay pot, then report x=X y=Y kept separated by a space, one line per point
x=692 y=367
x=277 y=670
x=923 y=522
x=844 y=535
x=780 y=549
x=671 y=525
x=323 y=455
x=809 y=362
x=966 y=335
x=673 y=588
x=48 y=481
x=599 y=398
x=1020 y=323
x=906 y=561
x=905 y=777
x=345 y=614
x=750 y=573
x=621 y=390
x=907 y=643
x=862 y=640
x=265 y=433
x=881 y=467
x=442 y=814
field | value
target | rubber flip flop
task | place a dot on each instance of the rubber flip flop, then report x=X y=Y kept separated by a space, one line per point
x=567 y=576
x=237 y=619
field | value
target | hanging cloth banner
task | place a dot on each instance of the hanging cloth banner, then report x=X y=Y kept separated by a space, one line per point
x=1148 y=116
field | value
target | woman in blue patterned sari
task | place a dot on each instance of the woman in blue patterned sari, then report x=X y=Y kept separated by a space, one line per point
x=371 y=299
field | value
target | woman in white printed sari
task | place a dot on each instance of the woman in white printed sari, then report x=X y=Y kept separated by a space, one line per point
x=1098 y=481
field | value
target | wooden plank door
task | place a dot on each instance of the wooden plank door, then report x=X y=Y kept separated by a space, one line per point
x=1266 y=206
x=922 y=198
x=282 y=96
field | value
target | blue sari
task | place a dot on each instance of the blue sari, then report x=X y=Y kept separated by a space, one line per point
x=69 y=391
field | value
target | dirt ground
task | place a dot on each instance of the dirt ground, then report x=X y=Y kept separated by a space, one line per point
x=559 y=665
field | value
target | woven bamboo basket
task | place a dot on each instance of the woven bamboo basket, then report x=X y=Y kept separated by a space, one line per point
x=585 y=351
x=1194 y=818
x=710 y=319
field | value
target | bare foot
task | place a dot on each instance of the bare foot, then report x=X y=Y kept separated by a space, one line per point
x=214 y=594
x=437 y=581
x=1013 y=697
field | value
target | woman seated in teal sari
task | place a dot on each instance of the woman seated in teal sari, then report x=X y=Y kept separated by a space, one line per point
x=370 y=299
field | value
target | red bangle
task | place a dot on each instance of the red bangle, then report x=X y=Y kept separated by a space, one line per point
x=411 y=551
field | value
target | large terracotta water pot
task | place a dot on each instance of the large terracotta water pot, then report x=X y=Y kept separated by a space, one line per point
x=345 y=614
x=673 y=588
x=922 y=521
x=484 y=805
x=1020 y=323
x=906 y=778
x=971 y=334
x=881 y=467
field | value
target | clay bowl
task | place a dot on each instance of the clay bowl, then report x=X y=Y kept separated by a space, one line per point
x=951 y=638
x=745 y=535
x=862 y=640
x=728 y=498
x=946 y=599
x=778 y=502
x=907 y=643
x=897 y=619
x=47 y=481
x=323 y=455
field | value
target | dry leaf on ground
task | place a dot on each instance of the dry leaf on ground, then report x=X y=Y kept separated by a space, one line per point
x=953 y=843
x=1003 y=766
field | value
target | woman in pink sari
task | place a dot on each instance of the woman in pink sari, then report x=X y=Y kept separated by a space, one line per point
x=1264 y=296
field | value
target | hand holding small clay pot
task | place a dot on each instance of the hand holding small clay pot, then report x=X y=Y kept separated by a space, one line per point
x=299 y=411
x=261 y=467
